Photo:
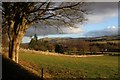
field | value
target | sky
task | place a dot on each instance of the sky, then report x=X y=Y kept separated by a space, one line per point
x=102 y=21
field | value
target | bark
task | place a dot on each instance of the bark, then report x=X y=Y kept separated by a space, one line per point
x=4 y=40
x=15 y=40
x=5 y=44
x=14 y=49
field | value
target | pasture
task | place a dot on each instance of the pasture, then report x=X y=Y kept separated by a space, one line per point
x=70 y=67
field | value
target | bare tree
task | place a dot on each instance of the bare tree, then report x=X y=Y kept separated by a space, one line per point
x=19 y=16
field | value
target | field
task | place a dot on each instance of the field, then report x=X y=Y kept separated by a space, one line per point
x=70 y=67
x=104 y=42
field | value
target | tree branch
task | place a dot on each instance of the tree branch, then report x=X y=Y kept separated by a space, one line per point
x=35 y=10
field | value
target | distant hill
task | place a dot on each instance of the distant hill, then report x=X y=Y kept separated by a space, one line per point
x=113 y=38
x=105 y=38
x=102 y=38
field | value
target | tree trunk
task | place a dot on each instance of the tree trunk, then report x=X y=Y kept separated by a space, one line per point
x=15 y=39
x=4 y=40
x=14 y=49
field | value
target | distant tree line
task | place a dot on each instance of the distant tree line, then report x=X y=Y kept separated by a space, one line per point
x=71 y=46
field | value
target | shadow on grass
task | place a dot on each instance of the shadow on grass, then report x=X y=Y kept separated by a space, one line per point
x=14 y=71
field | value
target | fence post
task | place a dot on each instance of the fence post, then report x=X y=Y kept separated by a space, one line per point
x=42 y=73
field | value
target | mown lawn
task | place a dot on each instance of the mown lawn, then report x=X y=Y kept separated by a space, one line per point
x=71 y=67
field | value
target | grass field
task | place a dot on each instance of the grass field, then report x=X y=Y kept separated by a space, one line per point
x=71 y=67
x=104 y=42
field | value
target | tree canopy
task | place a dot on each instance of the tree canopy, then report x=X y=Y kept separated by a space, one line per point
x=59 y=13
x=19 y=16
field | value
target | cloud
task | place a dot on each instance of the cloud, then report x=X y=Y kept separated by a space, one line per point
x=40 y=30
x=46 y=30
x=26 y=39
x=71 y=30
x=110 y=30
x=101 y=11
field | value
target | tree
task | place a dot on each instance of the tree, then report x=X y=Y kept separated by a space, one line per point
x=94 y=49
x=35 y=37
x=32 y=43
x=19 y=16
x=59 y=48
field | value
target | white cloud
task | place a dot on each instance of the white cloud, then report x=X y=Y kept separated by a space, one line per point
x=52 y=30
x=101 y=11
x=99 y=18
x=112 y=27
x=26 y=39
x=72 y=30
x=110 y=30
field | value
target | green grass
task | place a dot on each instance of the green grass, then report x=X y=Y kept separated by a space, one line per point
x=69 y=67
x=104 y=42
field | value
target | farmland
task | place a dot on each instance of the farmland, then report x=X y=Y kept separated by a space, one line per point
x=70 y=67
x=77 y=46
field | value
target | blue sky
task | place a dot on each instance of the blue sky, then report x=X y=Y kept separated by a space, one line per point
x=109 y=22
x=103 y=20
x=112 y=21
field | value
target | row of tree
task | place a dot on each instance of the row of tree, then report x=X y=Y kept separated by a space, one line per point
x=72 y=46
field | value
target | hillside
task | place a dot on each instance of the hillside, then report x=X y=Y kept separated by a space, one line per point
x=14 y=71
x=75 y=45
x=102 y=38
